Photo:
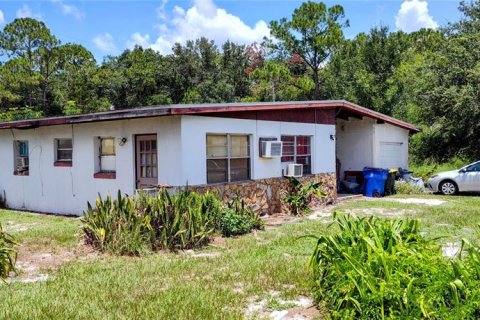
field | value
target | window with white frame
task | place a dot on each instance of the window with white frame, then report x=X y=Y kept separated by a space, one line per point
x=107 y=155
x=22 y=158
x=63 y=150
x=228 y=157
x=297 y=149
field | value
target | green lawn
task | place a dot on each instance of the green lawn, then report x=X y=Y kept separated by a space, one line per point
x=218 y=282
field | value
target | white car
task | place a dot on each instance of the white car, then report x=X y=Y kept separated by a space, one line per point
x=467 y=179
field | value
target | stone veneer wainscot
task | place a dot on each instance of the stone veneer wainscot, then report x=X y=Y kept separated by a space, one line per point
x=265 y=195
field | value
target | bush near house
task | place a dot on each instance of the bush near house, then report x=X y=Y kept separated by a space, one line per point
x=135 y=225
x=377 y=269
x=405 y=187
x=239 y=219
x=8 y=254
x=300 y=195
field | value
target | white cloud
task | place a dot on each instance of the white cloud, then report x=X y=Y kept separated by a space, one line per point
x=26 y=12
x=413 y=15
x=161 y=13
x=2 y=17
x=203 y=19
x=105 y=43
x=70 y=9
x=139 y=40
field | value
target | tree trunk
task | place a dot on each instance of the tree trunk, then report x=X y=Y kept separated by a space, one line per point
x=273 y=91
x=316 y=80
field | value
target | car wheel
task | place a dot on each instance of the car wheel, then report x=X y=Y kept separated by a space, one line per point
x=448 y=188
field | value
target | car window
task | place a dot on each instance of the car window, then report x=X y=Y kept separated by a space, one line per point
x=474 y=167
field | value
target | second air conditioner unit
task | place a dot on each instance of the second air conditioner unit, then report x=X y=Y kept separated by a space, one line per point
x=294 y=170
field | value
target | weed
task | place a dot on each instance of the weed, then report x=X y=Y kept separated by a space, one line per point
x=300 y=195
x=8 y=254
x=377 y=269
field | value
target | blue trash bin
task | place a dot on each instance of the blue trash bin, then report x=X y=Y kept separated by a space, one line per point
x=375 y=179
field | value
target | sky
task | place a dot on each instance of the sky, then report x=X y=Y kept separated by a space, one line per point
x=108 y=27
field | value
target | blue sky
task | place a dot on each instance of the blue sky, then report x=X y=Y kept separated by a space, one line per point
x=109 y=27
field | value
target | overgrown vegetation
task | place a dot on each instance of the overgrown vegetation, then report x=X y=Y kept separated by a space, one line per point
x=135 y=225
x=300 y=195
x=427 y=169
x=405 y=187
x=239 y=219
x=377 y=269
x=8 y=254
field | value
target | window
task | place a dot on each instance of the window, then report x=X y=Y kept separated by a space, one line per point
x=21 y=161
x=63 y=151
x=297 y=149
x=107 y=155
x=474 y=167
x=228 y=158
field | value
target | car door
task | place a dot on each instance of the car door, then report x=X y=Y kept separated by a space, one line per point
x=471 y=178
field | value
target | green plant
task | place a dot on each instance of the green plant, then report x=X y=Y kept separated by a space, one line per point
x=181 y=221
x=239 y=219
x=378 y=269
x=134 y=225
x=405 y=187
x=300 y=195
x=8 y=255
x=116 y=225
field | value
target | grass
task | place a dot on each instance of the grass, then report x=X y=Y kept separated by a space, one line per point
x=42 y=231
x=181 y=286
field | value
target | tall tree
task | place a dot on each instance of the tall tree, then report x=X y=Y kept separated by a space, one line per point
x=313 y=33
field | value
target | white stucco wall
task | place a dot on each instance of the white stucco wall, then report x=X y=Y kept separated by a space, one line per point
x=355 y=147
x=181 y=157
x=359 y=144
x=66 y=190
x=195 y=129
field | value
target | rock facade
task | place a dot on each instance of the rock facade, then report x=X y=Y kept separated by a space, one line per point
x=265 y=195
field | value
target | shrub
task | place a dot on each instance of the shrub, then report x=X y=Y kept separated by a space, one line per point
x=8 y=254
x=134 y=225
x=116 y=226
x=181 y=221
x=405 y=187
x=239 y=219
x=300 y=195
x=377 y=269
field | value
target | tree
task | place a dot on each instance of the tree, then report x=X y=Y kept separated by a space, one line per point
x=313 y=33
x=31 y=41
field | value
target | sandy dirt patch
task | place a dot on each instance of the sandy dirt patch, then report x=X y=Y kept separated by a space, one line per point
x=39 y=266
x=428 y=202
x=301 y=309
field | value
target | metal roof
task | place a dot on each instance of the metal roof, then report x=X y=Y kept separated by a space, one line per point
x=341 y=106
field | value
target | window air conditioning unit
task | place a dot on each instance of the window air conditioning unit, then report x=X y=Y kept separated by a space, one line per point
x=294 y=170
x=271 y=149
x=21 y=163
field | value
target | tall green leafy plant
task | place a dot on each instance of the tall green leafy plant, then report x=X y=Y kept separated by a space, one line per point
x=8 y=254
x=300 y=195
x=385 y=269
x=116 y=225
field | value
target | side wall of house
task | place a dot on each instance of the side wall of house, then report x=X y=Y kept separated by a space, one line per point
x=66 y=190
x=195 y=129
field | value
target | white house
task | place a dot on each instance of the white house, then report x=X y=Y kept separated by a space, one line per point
x=58 y=164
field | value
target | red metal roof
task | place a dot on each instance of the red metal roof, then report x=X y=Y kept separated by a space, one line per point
x=345 y=107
